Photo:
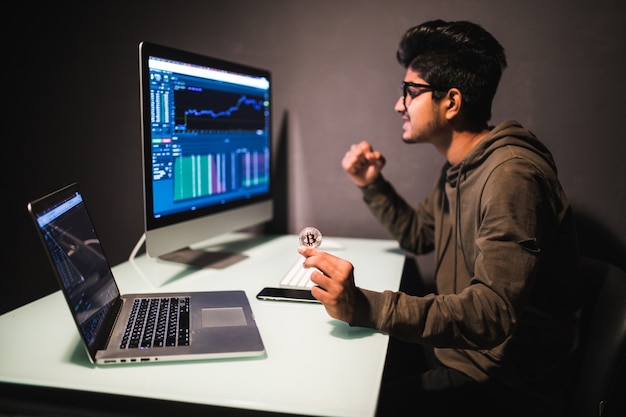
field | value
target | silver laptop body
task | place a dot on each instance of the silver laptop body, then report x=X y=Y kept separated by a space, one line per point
x=220 y=323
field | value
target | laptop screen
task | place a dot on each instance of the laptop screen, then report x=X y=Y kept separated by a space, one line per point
x=79 y=262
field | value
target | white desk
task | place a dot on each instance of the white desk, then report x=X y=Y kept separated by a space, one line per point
x=315 y=365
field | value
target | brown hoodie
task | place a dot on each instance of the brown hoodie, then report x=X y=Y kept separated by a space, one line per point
x=507 y=266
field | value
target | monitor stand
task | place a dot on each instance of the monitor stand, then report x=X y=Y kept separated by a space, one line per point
x=195 y=258
x=199 y=258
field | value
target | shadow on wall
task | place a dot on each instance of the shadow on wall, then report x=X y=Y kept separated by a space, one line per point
x=596 y=241
x=280 y=222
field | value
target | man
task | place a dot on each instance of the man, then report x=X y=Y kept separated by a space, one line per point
x=502 y=326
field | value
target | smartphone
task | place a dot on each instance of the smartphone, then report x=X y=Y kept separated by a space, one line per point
x=286 y=294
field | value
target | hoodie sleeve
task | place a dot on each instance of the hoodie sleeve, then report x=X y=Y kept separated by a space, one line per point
x=412 y=228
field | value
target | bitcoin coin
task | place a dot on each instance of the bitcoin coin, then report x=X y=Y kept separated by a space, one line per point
x=310 y=236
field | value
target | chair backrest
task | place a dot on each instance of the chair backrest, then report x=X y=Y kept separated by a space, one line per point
x=600 y=386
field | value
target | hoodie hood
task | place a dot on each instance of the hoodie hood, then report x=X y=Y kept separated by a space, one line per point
x=509 y=133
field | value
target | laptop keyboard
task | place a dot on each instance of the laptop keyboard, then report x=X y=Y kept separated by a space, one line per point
x=157 y=322
x=298 y=276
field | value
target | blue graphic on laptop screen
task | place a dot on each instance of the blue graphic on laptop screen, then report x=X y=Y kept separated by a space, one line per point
x=82 y=268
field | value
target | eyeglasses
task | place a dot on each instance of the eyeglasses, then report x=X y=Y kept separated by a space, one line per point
x=406 y=90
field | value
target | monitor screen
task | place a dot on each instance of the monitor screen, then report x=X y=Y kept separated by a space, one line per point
x=206 y=133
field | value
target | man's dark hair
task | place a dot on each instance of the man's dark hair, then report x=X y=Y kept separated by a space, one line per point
x=456 y=54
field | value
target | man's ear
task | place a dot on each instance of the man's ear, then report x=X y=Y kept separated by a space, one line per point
x=454 y=100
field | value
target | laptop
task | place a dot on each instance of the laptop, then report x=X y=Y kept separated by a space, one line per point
x=116 y=328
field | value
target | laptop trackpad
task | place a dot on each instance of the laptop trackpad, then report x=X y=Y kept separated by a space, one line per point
x=223 y=317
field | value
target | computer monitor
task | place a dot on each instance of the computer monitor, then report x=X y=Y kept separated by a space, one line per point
x=207 y=154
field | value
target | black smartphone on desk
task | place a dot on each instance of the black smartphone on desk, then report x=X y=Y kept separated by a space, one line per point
x=286 y=294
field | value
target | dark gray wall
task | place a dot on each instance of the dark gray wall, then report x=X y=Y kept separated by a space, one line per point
x=71 y=78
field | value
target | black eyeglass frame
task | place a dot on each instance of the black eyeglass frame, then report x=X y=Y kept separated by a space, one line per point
x=424 y=88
